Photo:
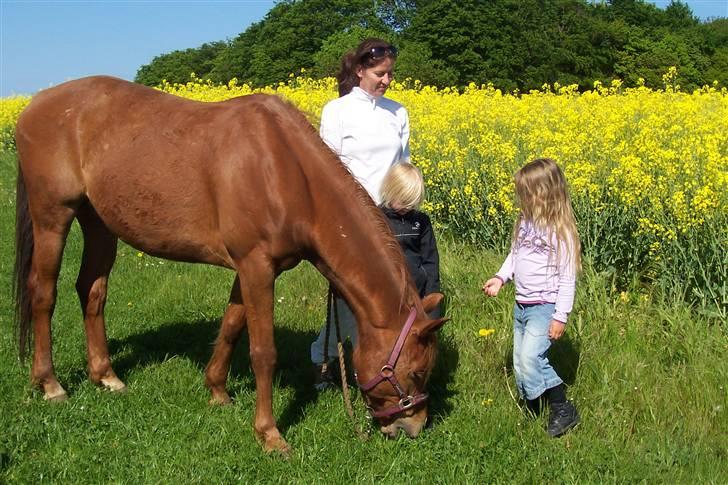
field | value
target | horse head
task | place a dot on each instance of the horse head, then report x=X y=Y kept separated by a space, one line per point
x=394 y=384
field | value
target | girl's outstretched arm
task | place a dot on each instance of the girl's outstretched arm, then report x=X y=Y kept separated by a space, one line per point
x=504 y=274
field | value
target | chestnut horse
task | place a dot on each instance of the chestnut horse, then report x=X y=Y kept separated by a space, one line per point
x=245 y=184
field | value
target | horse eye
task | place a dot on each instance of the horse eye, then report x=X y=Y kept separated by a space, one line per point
x=418 y=375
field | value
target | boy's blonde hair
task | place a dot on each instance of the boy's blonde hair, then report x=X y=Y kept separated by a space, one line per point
x=403 y=183
x=544 y=200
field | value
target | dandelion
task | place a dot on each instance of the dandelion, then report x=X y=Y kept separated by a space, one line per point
x=486 y=332
x=487 y=402
x=140 y=254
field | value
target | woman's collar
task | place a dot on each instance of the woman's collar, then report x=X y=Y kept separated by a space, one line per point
x=361 y=94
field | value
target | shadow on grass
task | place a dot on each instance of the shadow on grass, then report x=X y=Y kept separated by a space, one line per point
x=442 y=375
x=439 y=406
x=194 y=340
x=565 y=355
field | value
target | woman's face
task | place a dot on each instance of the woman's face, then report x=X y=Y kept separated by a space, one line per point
x=375 y=80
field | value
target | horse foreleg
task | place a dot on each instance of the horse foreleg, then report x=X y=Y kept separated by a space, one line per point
x=99 y=253
x=233 y=323
x=257 y=280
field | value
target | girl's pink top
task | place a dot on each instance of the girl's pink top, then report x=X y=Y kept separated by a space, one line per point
x=538 y=276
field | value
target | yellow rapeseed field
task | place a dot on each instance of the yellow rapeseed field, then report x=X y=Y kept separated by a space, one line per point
x=647 y=169
x=10 y=109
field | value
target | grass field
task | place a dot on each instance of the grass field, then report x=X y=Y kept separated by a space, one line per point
x=651 y=383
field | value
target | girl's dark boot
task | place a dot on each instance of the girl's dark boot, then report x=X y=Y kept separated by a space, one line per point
x=563 y=414
x=535 y=406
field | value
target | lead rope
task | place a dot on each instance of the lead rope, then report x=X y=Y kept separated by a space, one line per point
x=342 y=364
x=329 y=303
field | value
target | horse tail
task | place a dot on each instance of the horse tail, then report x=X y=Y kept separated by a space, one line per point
x=23 y=259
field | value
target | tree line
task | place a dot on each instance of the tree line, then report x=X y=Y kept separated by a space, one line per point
x=514 y=44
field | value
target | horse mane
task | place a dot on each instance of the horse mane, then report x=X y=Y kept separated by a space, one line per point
x=286 y=112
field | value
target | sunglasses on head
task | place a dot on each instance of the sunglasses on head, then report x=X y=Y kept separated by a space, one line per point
x=380 y=52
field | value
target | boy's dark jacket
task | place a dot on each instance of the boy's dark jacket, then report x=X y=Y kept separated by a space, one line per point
x=413 y=231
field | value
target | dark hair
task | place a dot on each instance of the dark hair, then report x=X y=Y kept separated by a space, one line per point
x=369 y=53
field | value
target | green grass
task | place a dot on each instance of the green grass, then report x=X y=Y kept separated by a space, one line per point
x=650 y=382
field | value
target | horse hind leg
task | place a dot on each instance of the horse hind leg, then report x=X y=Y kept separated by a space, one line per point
x=99 y=254
x=233 y=323
x=49 y=238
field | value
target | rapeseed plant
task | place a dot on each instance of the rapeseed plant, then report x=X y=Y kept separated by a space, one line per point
x=647 y=169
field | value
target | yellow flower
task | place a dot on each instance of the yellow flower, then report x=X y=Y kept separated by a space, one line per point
x=624 y=156
x=486 y=332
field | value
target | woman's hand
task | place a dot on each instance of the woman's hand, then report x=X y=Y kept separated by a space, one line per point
x=492 y=286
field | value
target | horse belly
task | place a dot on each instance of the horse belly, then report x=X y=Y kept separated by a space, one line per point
x=160 y=212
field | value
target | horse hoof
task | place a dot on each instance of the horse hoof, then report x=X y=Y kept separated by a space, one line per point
x=113 y=384
x=53 y=391
x=279 y=447
x=220 y=400
x=274 y=445
x=55 y=397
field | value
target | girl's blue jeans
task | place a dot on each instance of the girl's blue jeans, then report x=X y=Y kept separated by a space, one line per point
x=531 y=342
x=347 y=324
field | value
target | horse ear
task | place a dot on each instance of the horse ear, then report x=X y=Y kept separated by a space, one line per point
x=431 y=301
x=430 y=326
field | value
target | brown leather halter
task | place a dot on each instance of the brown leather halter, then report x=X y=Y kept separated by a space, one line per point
x=406 y=401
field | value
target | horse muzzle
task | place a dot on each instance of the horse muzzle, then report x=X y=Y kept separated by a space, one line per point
x=411 y=425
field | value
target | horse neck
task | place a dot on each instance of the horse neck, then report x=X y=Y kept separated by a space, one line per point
x=359 y=257
x=349 y=241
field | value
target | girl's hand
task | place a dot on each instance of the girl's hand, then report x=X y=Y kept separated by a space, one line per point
x=556 y=329
x=492 y=286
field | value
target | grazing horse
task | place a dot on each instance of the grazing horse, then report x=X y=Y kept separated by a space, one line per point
x=245 y=184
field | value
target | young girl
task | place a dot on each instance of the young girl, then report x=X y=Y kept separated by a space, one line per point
x=543 y=263
x=402 y=192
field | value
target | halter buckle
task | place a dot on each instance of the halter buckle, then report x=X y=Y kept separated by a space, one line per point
x=387 y=371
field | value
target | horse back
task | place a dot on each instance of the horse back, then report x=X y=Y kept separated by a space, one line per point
x=176 y=178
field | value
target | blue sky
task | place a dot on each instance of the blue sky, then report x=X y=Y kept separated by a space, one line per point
x=44 y=43
x=47 y=42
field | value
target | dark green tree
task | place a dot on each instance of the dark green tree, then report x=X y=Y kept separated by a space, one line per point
x=178 y=65
x=327 y=61
x=290 y=36
x=448 y=29
x=511 y=43
x=715 y=48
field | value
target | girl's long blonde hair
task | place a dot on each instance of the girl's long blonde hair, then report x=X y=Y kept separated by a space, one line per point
x=544 y=200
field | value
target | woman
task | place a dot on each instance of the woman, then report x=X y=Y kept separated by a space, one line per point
x=369 y=133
